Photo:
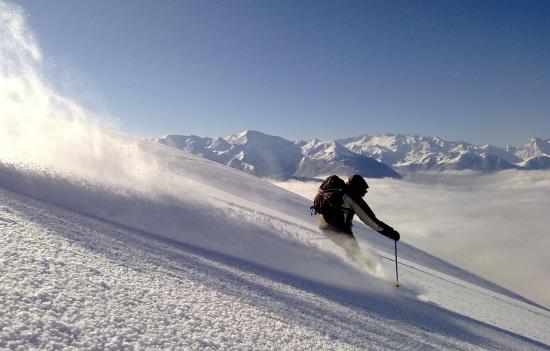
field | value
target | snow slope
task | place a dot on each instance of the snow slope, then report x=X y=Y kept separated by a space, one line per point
x=226 y=261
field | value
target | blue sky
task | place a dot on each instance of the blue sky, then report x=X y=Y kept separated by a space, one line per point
x=471 y=70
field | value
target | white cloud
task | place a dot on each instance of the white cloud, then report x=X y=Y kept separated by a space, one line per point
x=495 y=225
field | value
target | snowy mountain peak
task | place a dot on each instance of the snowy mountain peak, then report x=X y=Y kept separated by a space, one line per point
x=534 y=147
x=255 y=137
x=244 y=136
x=323 y=149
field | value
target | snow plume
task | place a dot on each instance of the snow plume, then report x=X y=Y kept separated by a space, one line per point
x=40 y=129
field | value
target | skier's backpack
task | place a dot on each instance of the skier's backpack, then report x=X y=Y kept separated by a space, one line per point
x=329 y=199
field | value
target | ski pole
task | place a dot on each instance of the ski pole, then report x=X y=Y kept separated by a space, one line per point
x=396 y=271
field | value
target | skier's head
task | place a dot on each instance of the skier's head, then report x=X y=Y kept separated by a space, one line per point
x=357 y=185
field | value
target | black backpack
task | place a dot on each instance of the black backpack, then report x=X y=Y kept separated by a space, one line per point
x=329 y=199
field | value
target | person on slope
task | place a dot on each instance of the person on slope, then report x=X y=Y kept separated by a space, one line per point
x=337 y=202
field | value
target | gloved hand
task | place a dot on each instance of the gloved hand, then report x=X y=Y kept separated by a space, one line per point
x=395 y=235
x=390 y=233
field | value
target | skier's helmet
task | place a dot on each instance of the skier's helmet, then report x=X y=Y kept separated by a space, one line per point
x=357 y=184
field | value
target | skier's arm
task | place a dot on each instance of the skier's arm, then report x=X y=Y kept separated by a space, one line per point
x=361 y=212
x=366 y=215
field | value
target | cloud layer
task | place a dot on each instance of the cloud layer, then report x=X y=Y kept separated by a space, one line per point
x=493 y=225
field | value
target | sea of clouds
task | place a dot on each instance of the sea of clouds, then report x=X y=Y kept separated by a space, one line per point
x=495 y=225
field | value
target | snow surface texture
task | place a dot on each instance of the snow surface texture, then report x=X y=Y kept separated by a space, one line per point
x=70 y=280
x=109 y=242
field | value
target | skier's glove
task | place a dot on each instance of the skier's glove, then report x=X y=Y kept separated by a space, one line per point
x=395 y=235
x=391 y=233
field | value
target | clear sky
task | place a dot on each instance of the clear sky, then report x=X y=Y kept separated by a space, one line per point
x=471 y=70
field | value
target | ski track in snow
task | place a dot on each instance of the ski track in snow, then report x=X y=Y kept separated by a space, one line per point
x=71 y=281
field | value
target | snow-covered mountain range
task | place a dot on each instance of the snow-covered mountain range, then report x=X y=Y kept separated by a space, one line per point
x=270 y=156
x=414 y=152
x=372 y=156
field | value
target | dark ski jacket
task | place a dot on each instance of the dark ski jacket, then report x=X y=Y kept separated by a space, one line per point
x=351 y=205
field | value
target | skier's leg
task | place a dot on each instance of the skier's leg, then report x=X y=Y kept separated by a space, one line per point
x=351 y=246
x=345 y=241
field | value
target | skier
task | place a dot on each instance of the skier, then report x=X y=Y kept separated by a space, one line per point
x=337 y=202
